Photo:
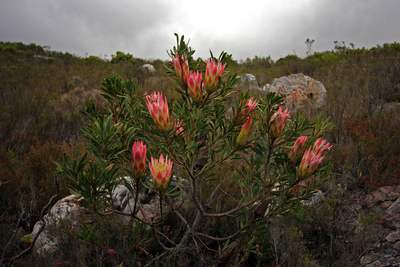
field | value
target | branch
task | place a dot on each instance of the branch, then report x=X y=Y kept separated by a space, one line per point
x=158 y=241
x=225 y=238
x=169 y=240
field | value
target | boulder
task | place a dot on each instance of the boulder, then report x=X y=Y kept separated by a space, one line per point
x=249 y=81
x=299 y=91
x=70 y=208
x=148 y=69
x=66 y=208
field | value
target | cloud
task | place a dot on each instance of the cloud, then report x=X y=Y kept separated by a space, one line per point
x=145 y=28
x=78 y=26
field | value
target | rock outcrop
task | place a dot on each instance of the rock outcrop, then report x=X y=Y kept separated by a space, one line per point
x=66 y=208
x=385 y=202
x=299 y=91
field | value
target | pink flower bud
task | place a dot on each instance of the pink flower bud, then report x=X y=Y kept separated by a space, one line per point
x=278 y=122
x=321 y=147
x=111 y=252
x=213 y=72
x=298 y=148
x=244 y=133
x=245 y=112
x=159 y=111
x=138 y=159
x=194 y=80
x=309 y=163
x=160 y=171
x=181 y=65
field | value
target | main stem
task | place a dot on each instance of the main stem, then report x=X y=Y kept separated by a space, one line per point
x=189 y=234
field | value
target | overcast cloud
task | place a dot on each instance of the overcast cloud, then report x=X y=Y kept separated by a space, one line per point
x=146 y=28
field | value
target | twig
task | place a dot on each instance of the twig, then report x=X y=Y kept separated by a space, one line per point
x=158 y=240
x=169 y=240
x=224 y=238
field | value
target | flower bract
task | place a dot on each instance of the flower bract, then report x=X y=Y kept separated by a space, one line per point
x=158 y=108
x=298 y=148
x=246 y=111
x=320 y=146
x=242 y=138
x=278 y=120
x=181 y=66
x=138 y=159
x=309 y=163
x=213 y=73
x=161 y=171
x=194 y=81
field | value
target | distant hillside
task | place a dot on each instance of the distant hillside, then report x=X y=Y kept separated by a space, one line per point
x=38 y=86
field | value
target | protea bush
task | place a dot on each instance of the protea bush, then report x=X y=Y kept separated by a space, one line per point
x=258 y=136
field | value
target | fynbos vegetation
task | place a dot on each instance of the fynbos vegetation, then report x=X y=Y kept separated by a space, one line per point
x=243 y=176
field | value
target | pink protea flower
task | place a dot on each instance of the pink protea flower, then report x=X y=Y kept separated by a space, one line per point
x=161 y=171
x=321 y=147
x=179 y=128
x=194 y=80
x=245 y=112
x=181 y=65
x=158 y=108
x=309 y=163
x=278 y=122
x=298 y=148
x=213 y=72
x=244 y=133
x=138 y=166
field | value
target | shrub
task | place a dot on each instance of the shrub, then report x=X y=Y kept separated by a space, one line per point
x=202 y=139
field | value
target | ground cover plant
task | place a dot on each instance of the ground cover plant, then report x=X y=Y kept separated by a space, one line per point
x=365 y=138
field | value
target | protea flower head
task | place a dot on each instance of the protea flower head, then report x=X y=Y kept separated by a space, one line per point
x=138 y=159
x=181 y=65
x=309 y=163
x=158 y=108
x=194 y=80
x=213 y=72
x=298 y=148
x=161 y=171
x=244 y=133
x=179 y=128
x=321 y=147
x=278 y=120
x=245 y=112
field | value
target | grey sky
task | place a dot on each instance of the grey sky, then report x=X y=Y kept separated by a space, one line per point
x=145 y=28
